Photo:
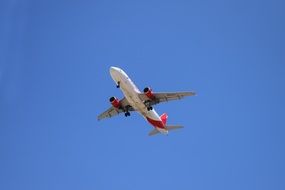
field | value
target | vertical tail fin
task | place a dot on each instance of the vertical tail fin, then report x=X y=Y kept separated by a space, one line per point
x=163 y=118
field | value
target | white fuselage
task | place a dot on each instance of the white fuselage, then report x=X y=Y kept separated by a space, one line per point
x=131 y=92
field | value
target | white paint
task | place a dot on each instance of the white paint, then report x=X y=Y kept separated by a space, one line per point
x=131 y=92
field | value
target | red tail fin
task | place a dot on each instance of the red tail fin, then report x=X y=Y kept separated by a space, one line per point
x=163 y=118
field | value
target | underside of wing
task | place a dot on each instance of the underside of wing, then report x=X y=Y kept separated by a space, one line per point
x=164 y=97
x=112 y=111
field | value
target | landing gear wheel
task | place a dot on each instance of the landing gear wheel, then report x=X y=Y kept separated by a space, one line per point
x=149 y=108
x=127 y=114
x=118 y=85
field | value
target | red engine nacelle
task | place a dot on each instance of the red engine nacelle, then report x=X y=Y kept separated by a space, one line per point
x=148 y=92
x=115 y=102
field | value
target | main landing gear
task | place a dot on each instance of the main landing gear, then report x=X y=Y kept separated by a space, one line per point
x=127 y=114
x=149 y=108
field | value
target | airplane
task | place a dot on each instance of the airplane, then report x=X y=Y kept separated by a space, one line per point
x=143 y=103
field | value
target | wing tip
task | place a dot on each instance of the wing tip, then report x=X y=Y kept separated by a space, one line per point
x=99 y=118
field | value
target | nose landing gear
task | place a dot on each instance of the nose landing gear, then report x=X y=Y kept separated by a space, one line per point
x=118 y=84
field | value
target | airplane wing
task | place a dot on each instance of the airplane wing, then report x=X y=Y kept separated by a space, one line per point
x=165 y=97
x=112 y=111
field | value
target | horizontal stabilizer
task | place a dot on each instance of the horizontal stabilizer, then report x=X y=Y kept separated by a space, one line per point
x=153 y=132
x=170 y=128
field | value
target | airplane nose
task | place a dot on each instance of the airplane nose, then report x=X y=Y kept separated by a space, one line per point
x=114 y=69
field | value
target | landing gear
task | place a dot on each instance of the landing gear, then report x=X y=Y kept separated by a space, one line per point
x=127 y=114
x=148 y=105
x=118 y=84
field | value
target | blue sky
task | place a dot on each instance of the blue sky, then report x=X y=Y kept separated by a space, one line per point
x=54 y=81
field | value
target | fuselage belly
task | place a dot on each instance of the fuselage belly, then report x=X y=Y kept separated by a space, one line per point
x=131 y=93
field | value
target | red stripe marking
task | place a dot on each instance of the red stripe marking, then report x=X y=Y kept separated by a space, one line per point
x=156 y=123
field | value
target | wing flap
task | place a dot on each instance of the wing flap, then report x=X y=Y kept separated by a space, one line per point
x=165 y=97
x=109 y=113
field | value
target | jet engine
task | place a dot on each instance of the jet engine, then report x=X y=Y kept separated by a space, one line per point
x=148 y=92
x=115 y=102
